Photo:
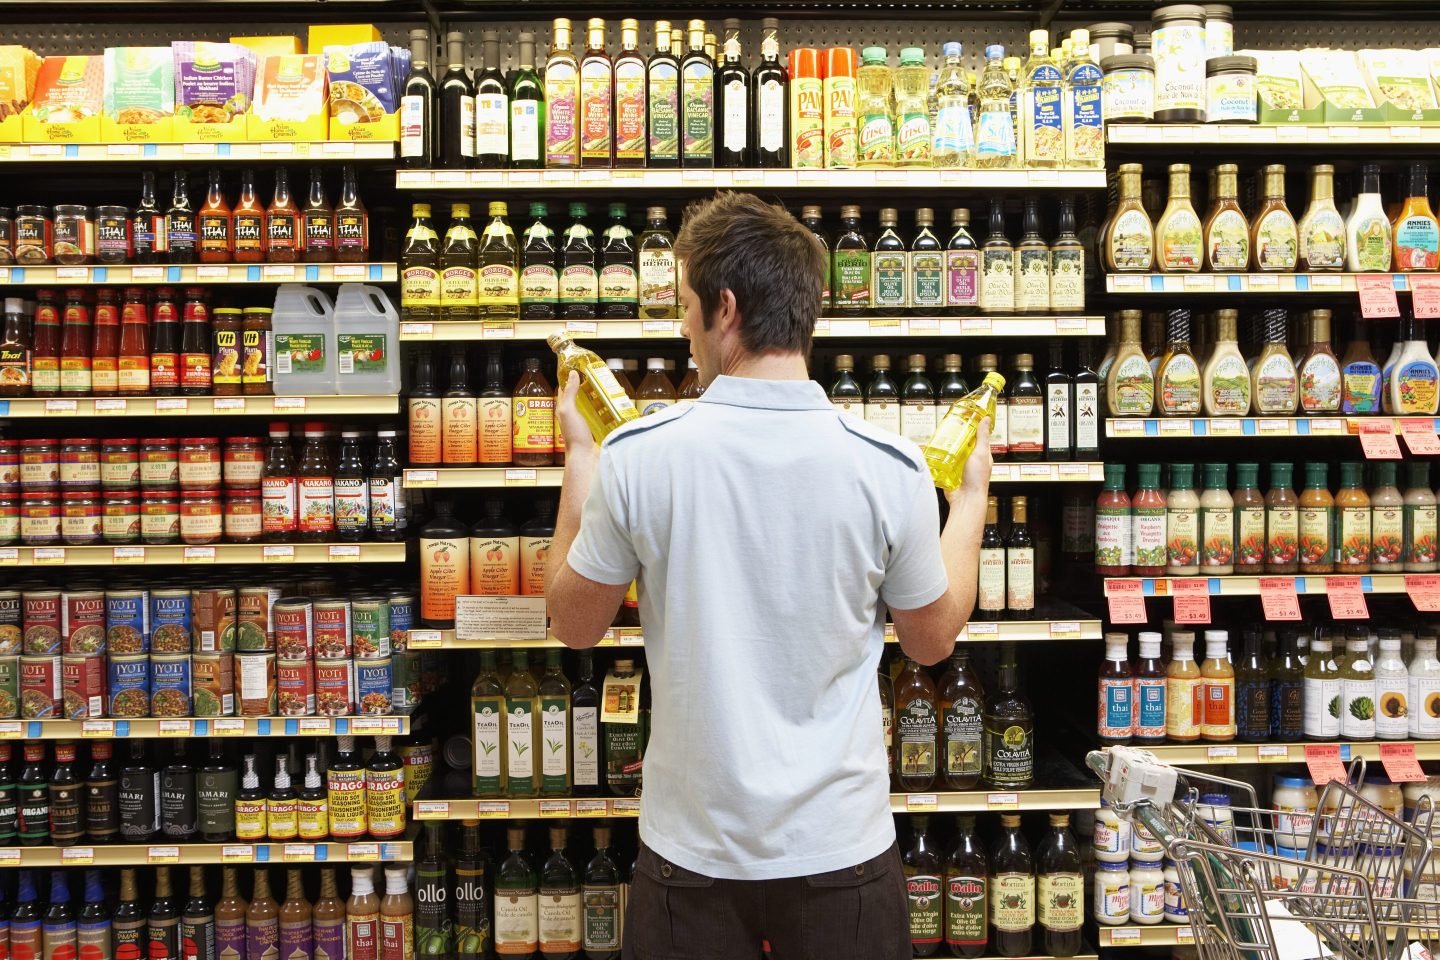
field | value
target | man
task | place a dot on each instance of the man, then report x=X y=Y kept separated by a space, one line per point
x=769 y=533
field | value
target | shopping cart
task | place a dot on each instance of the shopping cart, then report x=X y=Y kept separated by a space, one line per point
x=1276 y=884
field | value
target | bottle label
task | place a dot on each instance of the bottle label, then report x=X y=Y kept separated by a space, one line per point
x=965 y=914
x=539 y=283
x=1087 y=416
x=496 y=430
x=262 y=940
x=877 y=139
x=617 y=283
x=1180 y=242
x=492 y=133
x=525 y=131
x=586 y=722
x=888 y=283
x=807 y=124
x=954 y=130
x=1354 y=543
x=1026 y=425
x=498 y=284
x=630 y=110
x=1416 y=244
x=1387 y=535
x=602 y=917
x=1420 y=533
x=488 y=719
x=1182 y=708
x=397 y=937
x=1391 y=708
x=412 y=126
x=1032 y=280
x=1044 y=134
x=927 y=284
x=1320 y=384
x=698 y=93
x=1282 y=525
x=534 y=419
x=1250 y=543
x=927 y=908
x=1276 y=390
x=278 y=499
x=554 y=744
x=913 y=139
x=735 y=103
x=664 y=99
x=1424 y=706
x=1229 y=388
x=519 y=741
x=917 y=421
x=1227 y=244
x=658 y=283
x=1360 y=383
x=1132 y=241
x=997 y=281
x=990 y=595
x=771 y=135
x=297 y=353
x=1114 y=544
x=1180 y=81
x=1085 y=136
x=1150 y=523
x=1322 y=244
x=1067 y=279
x=919 y=730
x=517 y=923
x=1218 y=719
x=995 y=135
x=1370 y=238
x=1217 y=536
x=1150 y=707
x=352 y=504
x=1417 y=387
x=1012 y=902
x=559 y=922
x=596 y=138
x=385 y=802
x=1357 y=717
x=840 y=133
x=579 y=283
x=1315 y=525
x=1116 y=708
x=316 y=504
x=459 y=430
x=562 y=132
x=1277 y=242
x=963 y=734
x=1020 y=578
x=884 y=414
x=361 y=353
x=1057 y=416
x=852 y=278
x=459 y=286
x=1182 y=533
x=1060 y=901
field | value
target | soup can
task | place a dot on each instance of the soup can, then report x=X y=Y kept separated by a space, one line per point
x=373 y=686
x=294 y=628
x=10 y=687
x=127 y=685
x=127 y=621
x=405 y=680
x=295 y=687
x=334 y=688
x=12 y=623
x=255 y=684
x=170 y=685
x=82 y=621
x=371 y=627
x=212 y=684
x=332 y=629
x=171 y=620
x=402 y=620
x=40 y=687
x=41 y=623
x=82 y=686
x=209 y=607
x=254 y=626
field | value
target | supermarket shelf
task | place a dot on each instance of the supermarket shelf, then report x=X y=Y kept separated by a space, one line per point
x=203 y=273
x=195 y=152
x=1248 y=426
x=1009 y=630
x=1193 y=754
x=454 y=478
x=1078 y=326
x=1157 y=935
x=1236 y=586
x=198 y=853
x=1266 y=284
x=219 y=553
x=1086 y=798
x=197 y=406
x=150 y=728
x=816 y=179
x=1287 y=134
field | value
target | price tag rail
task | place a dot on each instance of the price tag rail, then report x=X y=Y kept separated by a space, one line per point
x=808 y=180
x=100 y=407
x=1249 y=586
x=236 y=553
x=1259 y=284
x=1135 y=428
x=149 y=728
x=1192 y=754
x=200 y=274
x=205 y=853
x=878 y=327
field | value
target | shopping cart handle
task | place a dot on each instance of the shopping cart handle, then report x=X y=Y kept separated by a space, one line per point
x=1131 y=775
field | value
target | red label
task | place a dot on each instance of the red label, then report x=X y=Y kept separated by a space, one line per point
x=1192 y=600
x=1377 y=439
x=317 y=504
x=362 y=937
x=1420 y=436
x=1323 y=759
x=164 y=370
x=1127 y=601
x=278 y=499
x=1347 y=600
x=1400 y=763
x=1277 y=596
x=195 y=370
x=1424 y=590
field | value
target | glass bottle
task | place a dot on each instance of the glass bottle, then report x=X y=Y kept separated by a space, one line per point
x=1059 y=890
x=1424 y=673
x=1087 y=404
x=1227 y=232
x=851 y=266
x=888 y=263
x=492 y=106
x=1274 y=238
x=1273 y=383
x=1360 y=382
x=1067 y=263
x=1032 y=264
x=961 y=705
x=534 y=422
x=539 y=276
x=1357 y=686
x=562 y=117
x=352 y=491
x=418 y=129
x=315 y=488
x=1059 y=406
x=561 y=919
x=997 y=265
x=1177 y=381
x=180 y=233
x=352 y=221
x=962 y=267
x=527 y=110
x=1130 y=383
x=1319 y=372
x=282 y=223
x=1226 y=379
x=1019 y=565
x=1179 y=237
x=882 y=396
x=213 y=223
x=579 y=277
x=147 y=223
x=1129 y=237
x=1282 y=521
x=1183 y=688
x=1116 y=701
x=1012 y=891
x=317 y=223
x=917 y=403
x=600 y=895
x=517 y=924
x=697 y=101
x=1368 y=247
x=735 y=136
x=459 y=416
x=618 y=284
x=596 y=115
x=1025 y=400
x=923 y=870
x=1287 y=680
x=1317 y=521
x=459 y=278
x=990 y=594
x=1252 y=690
x=1420 y=524
x=967 y=876
x=1322 y=229
x=917 y=728
x=1353 y=520
x=1417 y=236
x=925 y=270
x=420 y=295
x=1217 y=697
x=662 y=74
x=585 y=720
x=498 y=277
x=1008 y=750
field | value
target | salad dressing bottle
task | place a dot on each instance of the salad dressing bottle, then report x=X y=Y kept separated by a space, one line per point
x=1420 y=532
x=1417 y=234
x=1129 y=238
x=1321 y=692
x=1319 y=371
x=1178 y=376
x=1387 y=520
x=1414 y=376
x=1178 y=236
x=1217 y=523
x=1217 y=721
x=1225 y=389
x=1392 y=686
x=1282 y=521
x=1182 y=522
x=1367 y=229
x=1274 y=237
x=1352 y=504
x=1182 y=690
x=1150 y=523
x=1227 y=232
x=1130 y=383
x=1317 y=520
x=1274 y=385
x=1322 y=231
x=1360 y=383
x=1249 y=519
x=1357 y=687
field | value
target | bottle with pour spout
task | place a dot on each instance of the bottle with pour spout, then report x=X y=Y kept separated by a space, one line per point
x=954 y=439
x=602 y=401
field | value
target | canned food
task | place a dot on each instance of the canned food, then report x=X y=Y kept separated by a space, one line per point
x=209 y=608
x=255 y=684
x=40 y=687
x=170 y=685
x=332 y=629
x=170 y=621
x=405 y=680
x=12 y=632
x=82 y=621
x=373 y=685
x=212 y=684
x=255 y=629
x=9 y=687
x=295 y=685
x=42 y=622
x=127 y=685
x=294 y=628
x=402 y=620
x=334 y=688
x=371 y=627
x=82 y=686
x=127 y=621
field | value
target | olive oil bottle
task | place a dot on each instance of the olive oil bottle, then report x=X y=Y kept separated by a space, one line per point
x=459 y=280
x=499 y=293
x=1009 y=742
x=659 y=286
x=1012 y=891
x=917 y=722
x=923 y=878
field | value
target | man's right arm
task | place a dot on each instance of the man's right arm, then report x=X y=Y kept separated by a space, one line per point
x=927 y=634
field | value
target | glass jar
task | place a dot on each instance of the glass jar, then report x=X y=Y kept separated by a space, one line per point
x=243 y=514
x=1178 y=43
x=74 y=234
x=40 y=518
x=159 y=463
x=1128 y=88
x=80 y=462
x=1294 y=801
x=32 y=235
x=1415 y=792
x=120 y=517
x=1214 y=809
x=200 y=466
x=160 y=517
x=9 y=466
x=80 y=517
x=257 y=352
x=1111 y=900
x=226 y=353
x=1112 y=836
x=1175 y=909
x=1230 y=90
x=39 y=463
x=1110 y=40
x=202 y=517
x=244 y=462
x=120 y=463
x=9 y=518
x=1219 y=31
x=112 y=232
x=1147 y=892
x=7 y=236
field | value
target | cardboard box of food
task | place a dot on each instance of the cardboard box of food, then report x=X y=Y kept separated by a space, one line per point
x=339 y=35
x=269 y=46
x=1399 y=81
x=290 y=99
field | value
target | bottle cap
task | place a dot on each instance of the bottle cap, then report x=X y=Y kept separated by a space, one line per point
x=578 y=210
x=498 y=208
x=994 y=52
x=362 y=881
x=395 y=880
x=873 y=55
x=312 y=771
x=952 y=48
x=617 y=209
x=1149 y=644
x=282 y=775
x=251 y=779
x=1215 y=644
x=654 y=363
x=912 y=55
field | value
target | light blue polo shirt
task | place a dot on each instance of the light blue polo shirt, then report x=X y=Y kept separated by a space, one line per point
x=768 y=531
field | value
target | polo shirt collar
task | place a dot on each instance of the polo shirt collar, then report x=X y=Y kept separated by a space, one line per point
x=766 y=394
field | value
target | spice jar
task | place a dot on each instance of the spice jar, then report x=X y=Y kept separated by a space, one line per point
x=80 y=462
x=120 y=517
x=39 y=463
x=32 y=235
x=80 y=517
x=1128 y=88
x=201 y=517
x=112 y=233
x=74 y=234
x=9 y=466
x=159 y=462
x=1178 y=40
x=9 y=518
x=7 y=236
x=244 y=462
x=39 y=518
x=199 y=463
x=243 y=512
x=120 y=463
x=225 y=324
x=160 y=517
x=1230 y=90
x=257 y=350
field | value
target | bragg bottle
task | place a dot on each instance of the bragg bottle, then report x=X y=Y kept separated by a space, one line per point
x=250 y=808
x=280 y=821
x=345 y=786
x=385 y=793
x=534 y=413
x=312 y=809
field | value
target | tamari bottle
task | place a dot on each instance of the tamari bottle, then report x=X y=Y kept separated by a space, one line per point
x=1012 y=891
x=1317 y=521
x=1322 y=229
x=1129 y=239
x=1274 y=238
x=1178 y=236
x=1227 y=232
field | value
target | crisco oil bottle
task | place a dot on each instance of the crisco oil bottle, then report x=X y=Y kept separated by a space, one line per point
x=602 y=400
x=948 y=450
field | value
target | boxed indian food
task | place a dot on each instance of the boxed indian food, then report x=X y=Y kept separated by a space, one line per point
x=69 y=98
x=365 y=82
x=290 y=95
x=1399 y=81
x=264 y=47
x=1280 y=87
x=323 y=35
x=139 y=95
x=19 y=67
x=1334 y=80
x=214 y=87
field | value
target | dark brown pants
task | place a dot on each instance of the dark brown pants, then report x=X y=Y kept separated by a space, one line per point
x=858 y=913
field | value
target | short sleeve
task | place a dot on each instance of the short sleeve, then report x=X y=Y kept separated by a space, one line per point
x=915 y=572
x=603 y=550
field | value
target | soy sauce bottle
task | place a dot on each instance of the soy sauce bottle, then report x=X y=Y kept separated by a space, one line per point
x=139 y=795
x=179 y=818
x=102 y=795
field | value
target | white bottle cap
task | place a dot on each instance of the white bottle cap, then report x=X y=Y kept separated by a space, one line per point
x=654 y=363
x=1389 y=643
x=1117 y=646
x=615 y=363
x=1149 y=644
x=14 y=305
x=1215 y=644
x=395 y=880
x=362 y=882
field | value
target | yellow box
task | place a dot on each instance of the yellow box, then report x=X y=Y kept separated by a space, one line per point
x=386 y=128
x=269 y=46
x=161 y=131
x=309 y=129
x=12 y=129
x=232 y=131
x=75 y=131
x=339 y=35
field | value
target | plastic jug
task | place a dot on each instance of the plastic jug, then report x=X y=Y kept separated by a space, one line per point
x=367 y=333
x=304 y=331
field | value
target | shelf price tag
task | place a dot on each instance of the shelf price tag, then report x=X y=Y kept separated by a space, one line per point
x=1064 y=629
x=1272 y=753
x=657 y=328
x=279 y=552
x=173 y=728
x=1192 y=600
x=422 y=478
x=1002 y=801
x=554 y=808
x=109 y=406
x=1377 y=439
x=1347 y=600
x=9 y=855
x=237 y=853
x=1400 y=763
x=590 y=808
x=492 y=810
x=1425 y=296
x=1420 y=436
x=9 y=556
x=45 y=556
x=221 y=727
x=1277 y=596
x=425 y=639
x=625 y=808
x=272 y=271
x=432 y=809
x=162 y=855
x=921 y=801
x=298 y=851
x=521 y=477
x=97 y=728
x=119 y=555
x=413 y=329
x=1424 y=591
x=363 y=851
x=344 y=551
x=198 y=555
x=497 y=331
x=77 y=856
x=172 y=405
x=1127 y=601
x=1377 y=295
x=61 y=408
x=1323 y=759
x=1222 y=754
x=1184 y=935
x=1122 y=936
x=228 y=405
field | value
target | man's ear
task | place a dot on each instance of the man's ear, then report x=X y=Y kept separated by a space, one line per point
x=727 y=311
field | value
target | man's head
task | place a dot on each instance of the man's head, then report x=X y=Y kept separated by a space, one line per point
x=753 y=280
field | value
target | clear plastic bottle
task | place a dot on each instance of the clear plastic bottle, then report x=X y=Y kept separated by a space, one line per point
x=1041 y=97
x=367 y=335
x=954 y=126
x=877 y=124
x=913 y=134
x=995 y=133
x=304 y=331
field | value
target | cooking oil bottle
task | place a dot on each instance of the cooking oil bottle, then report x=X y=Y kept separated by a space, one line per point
x=913 y=135
x=877 y=124
x=602 y=401
x=954 y=439
x=995 y=146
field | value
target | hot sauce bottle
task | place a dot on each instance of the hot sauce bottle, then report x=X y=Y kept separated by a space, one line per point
x=75 y=345
x=216 y=245
x=133 y=375
x=248 y=222
x=352 y=222
x=196 y=375
x=282 y=221
x=105 y=346
x=45 y=349
x=165 y=345
x=319 y=220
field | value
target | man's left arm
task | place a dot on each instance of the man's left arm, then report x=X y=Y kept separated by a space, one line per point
x=581 y=608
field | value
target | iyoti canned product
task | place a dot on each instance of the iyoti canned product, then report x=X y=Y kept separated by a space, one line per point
x=9 y=687
x=171 y=619
x=255 y=628
x=208 y=609
x=373 y=686
x=371 y=627
x=212 y=684
x=82 y=686
x=170 y=685
x=255 y=684
x=127 y=684
x=294 y=628
x=127 y=621
x=295 y=685
x=405 y=680
x=12 y=631
x=334 y=688
x=402 y=620
x=40 y=687
x=332 y=629
x=41 y=623
x=82 y=621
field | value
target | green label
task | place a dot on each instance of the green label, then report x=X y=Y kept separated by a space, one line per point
x=555 y=744
x=962 y=738
x=698 y=91
x=889 y=285
x=965 y=910
x=602 y=918
x=488 y=715
x=362 y=353
x=927 y=908
x=852 y=278
x=520 y=746
x=927 y=284
x=299 y=353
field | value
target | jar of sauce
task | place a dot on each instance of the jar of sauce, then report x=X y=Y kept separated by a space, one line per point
x=120 y=517
x=257 y=349
x=244 y=463
x=39 y=463
x=201 y=517
x=9 y=466
x=160 y=517
x=243 y=522
x=39 y=518
x=120 y=463
x=200 y=465
x=33 y=238
x=80 y=462
x=7 y=236
x=226 y=352
x=112 y=231
x=9 y=518
x=159 y=463
x=80 y=517
x=74 y=234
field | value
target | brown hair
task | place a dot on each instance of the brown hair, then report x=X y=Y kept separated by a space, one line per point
x=770 y=261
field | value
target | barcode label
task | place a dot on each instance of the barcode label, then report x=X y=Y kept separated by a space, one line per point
x=347 y=361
